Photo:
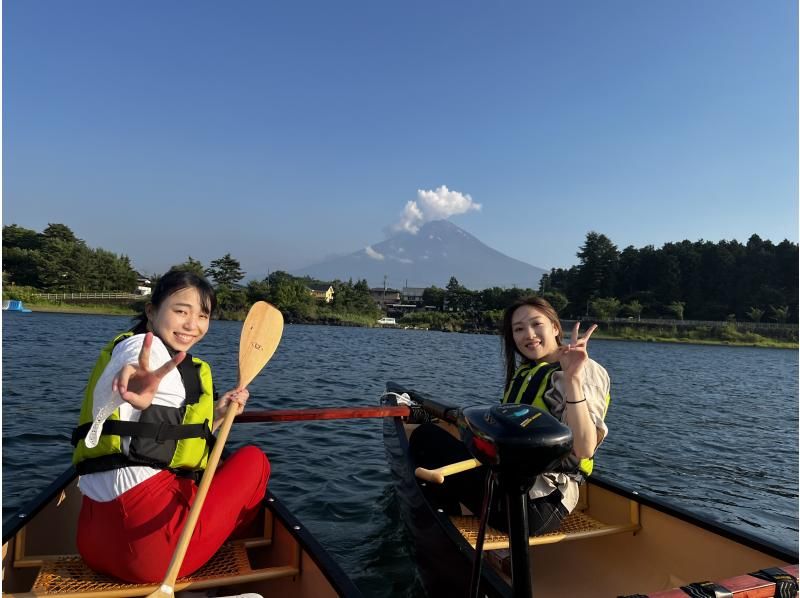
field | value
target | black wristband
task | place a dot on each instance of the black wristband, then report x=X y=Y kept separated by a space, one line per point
x=575 y=402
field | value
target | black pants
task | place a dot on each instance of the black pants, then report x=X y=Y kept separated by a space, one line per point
x=432 y=447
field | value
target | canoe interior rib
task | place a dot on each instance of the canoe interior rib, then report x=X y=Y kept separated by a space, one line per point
x=40 y=559
x=616 y=542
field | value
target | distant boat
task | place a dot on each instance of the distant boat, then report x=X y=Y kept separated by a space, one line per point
x=15 y=305
x=389 y=321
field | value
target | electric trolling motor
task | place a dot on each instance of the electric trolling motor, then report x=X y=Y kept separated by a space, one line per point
x=517 y=443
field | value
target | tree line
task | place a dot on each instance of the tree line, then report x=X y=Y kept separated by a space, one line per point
x=702 y=280
x=56 y=261
x=290 y=293
x=698 y=280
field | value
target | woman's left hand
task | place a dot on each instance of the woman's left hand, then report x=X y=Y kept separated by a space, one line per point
x=573 y=356
x=237 y=395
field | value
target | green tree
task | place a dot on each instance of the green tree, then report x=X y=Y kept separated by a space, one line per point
x=230 y=301
x=110 y=272
x=453 y=285
x=755 y=314
x=64 y=262
x=60 y=232
x=557 y=299
x=459 y=298
x=191 y=265
x=21 y=238
x=605 y=308
x=779 y=314
x=597 y=272
x=289 y=294
x=226 y=271
x=633 y=308
x=433 y=296
x=258 y=290
x=676 y=309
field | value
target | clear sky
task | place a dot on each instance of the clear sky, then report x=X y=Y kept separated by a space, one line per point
x=286 y=132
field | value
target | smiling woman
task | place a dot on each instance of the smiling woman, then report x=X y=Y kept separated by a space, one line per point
x=561 y=380
x=138 y=478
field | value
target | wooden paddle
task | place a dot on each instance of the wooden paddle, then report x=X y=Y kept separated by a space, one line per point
x=437 y=475
x=261 y=334
x=291 y=415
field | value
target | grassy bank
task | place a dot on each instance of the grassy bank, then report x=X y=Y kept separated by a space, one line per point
x=695 y=337
x=100 y=310
x=725 y=334
x=326 y=317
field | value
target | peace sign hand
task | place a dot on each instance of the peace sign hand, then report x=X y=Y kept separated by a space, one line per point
x=136 y=384
x=573 y=356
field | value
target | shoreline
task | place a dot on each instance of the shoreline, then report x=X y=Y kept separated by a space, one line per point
x=105 y=311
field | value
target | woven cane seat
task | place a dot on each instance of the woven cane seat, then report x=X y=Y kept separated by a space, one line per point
x=575 y=526
x=69 y=575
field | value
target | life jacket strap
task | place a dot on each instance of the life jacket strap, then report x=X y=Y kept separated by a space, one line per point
x=159 y=432
x=118 y=460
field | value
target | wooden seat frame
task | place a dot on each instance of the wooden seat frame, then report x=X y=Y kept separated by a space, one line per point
x=67 y=576
x=577 y=525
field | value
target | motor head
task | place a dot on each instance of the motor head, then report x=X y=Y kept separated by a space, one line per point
x=519 y=442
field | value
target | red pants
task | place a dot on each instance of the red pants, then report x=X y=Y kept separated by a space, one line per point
x=133 y=537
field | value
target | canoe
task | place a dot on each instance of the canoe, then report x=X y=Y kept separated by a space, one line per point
x=284 y=560
x=617 y=542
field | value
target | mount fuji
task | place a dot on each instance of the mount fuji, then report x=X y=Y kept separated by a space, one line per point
x=439 y=250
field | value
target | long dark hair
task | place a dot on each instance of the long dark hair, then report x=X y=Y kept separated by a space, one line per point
x=510 y=351
x=172 y=282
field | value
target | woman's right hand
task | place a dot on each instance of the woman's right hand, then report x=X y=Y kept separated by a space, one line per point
x=136 y=384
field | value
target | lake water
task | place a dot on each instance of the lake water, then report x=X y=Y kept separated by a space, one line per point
x=711 y=429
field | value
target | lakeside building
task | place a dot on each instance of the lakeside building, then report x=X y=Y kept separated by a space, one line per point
x=412 y=295
x=321 y=292
x=384 y=297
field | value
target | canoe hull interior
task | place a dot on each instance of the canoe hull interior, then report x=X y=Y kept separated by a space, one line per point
x=282 y=559
x=646 y=546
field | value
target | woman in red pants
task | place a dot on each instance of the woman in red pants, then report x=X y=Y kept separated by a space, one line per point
x=140 y=477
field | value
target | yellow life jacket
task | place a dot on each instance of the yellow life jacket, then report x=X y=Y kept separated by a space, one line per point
x=175 y=438
x=530 y=382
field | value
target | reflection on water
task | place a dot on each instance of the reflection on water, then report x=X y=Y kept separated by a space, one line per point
x=713 y=429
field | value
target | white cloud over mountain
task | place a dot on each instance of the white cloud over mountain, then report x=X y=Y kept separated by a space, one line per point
x=437 y=204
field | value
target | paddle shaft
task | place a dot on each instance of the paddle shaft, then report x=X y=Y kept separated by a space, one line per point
x=437 y=475
x=290 y=415
x=194 y=513
x=261 y=334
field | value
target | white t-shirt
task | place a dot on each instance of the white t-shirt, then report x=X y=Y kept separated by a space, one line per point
x=104 y=486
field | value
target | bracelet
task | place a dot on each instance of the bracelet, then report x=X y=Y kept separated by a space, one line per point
x=575 y=402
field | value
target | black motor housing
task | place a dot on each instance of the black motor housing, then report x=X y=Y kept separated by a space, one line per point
x=519 y=442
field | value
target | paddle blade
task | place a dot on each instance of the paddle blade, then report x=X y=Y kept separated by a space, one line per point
x=261 y=334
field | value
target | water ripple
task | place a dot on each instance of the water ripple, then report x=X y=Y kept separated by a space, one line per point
x=710 y=429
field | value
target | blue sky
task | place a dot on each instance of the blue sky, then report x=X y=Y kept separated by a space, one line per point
x=285 y=132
